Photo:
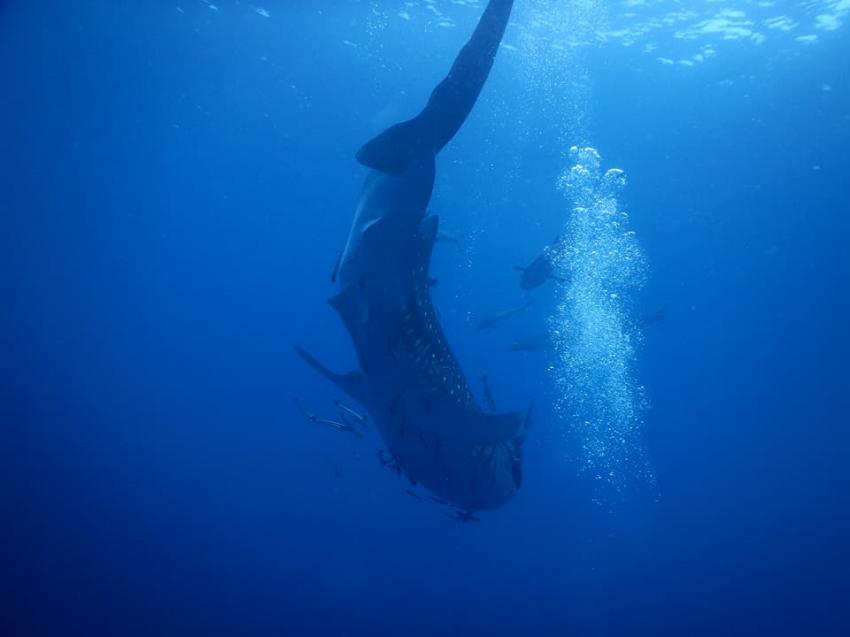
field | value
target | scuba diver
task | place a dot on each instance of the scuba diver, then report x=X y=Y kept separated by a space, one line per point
x=542 y=268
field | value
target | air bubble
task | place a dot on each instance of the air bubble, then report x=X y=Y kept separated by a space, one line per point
x=614 y=180
x=592 y=329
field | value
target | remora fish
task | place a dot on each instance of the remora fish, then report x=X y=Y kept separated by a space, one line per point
x=492 y=321
x=409 y=380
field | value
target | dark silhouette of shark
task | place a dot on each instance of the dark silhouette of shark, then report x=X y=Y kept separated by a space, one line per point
x=409 y=380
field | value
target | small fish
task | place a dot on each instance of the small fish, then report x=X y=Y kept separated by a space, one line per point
x=388 y=460
x=656 y=317
x=333 y=424
x=338 y=426
x=463 y=516
x=444 y=236
x=359 y=418
x=493 y=321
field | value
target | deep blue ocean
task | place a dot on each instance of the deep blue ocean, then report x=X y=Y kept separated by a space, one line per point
x=177 y=178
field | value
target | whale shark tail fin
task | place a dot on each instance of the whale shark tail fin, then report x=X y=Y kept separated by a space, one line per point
x=450 y=102
x=351 y=383
x=396 y=147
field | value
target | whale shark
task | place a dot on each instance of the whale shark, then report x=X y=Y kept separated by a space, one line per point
x=408 y=379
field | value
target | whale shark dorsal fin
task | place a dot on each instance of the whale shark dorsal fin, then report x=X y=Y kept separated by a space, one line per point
x=351 y=383
x=491 y=429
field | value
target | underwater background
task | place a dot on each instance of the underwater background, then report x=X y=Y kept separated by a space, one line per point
x=176 y=180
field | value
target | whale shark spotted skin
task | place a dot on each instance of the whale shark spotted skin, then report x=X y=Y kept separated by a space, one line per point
x=409 y=380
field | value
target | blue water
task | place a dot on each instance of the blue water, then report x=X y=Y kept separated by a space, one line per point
x=177 y=179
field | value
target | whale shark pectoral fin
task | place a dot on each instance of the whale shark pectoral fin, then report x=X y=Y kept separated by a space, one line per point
x=350 y=307
x=351 y=383
x=491 y=429
x=354 y=313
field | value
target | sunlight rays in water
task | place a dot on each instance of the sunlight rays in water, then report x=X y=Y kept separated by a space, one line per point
x=673 y=33
x=553 y=38
x=594 y=333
